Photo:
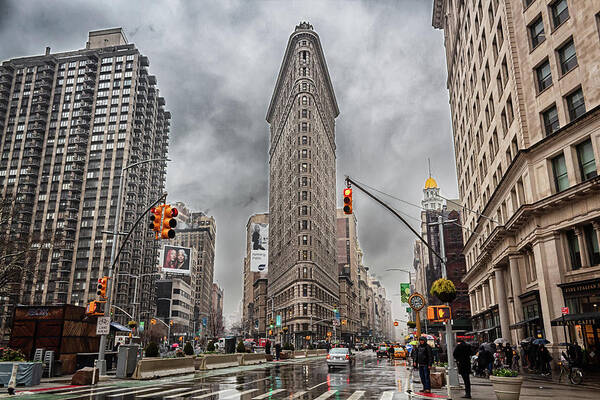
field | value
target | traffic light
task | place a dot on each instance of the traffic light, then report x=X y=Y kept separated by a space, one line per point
x=348 y=201
x=155 y=219
x=438 y=313
x=335 y=310
x=171 y=322
x=270 y=332
x=153 y=321
x=95 y=308
x=271 y=323
x=102 y=285
x=169 y=222
x=395 y=323
x=344 y=322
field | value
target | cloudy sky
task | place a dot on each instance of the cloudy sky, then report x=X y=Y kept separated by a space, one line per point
x=216 y=64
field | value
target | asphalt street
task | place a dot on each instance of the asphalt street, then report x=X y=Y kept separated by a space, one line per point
x=295 y=379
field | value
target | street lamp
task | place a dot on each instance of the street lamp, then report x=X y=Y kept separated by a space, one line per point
x=101 y=364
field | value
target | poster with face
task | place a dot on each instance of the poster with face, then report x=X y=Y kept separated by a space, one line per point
x=259 y=253
x=176 y=259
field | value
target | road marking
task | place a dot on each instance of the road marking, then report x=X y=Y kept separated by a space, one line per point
x=100 y=391
x=247 y=383
x=147 y=389
x=356 y=395
x=204 y=395
x=163 y=392
x=326 y=395
x=316 y=386
x=89 y=389
x=238 y=395
x=268 y=394
x=297 y=395
x=387 y=395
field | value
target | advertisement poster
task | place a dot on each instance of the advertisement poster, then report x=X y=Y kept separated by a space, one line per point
x=404 y=292
x=260 y=247
x=176 y=259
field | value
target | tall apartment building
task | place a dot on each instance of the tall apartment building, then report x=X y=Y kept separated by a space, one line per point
x=198 y=231
x=303 y=273
x=70 y=122
x=524 y=96
x=348 y=259
x=253 y=297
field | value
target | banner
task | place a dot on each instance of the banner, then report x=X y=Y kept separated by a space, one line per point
x=176 y=260
x=404 y=292
x=259 y=254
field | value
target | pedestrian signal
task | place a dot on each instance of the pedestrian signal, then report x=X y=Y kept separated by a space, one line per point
x=102 y=285
x=95 y=308
x=169 y=222
x=439 y=313
x=348 y=201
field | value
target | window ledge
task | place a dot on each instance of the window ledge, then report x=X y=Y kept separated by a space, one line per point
x=557 y=27
x=532 y=49
x=545 y=89
x=568 y=72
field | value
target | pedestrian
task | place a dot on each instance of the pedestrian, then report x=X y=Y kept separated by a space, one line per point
x=484 y=360
x=277 y=350
x=508 y=355
x=462 y=355
x=544 y=360
x=423 y=359
x=268 y=347
x=436 y=352
x=391 y=352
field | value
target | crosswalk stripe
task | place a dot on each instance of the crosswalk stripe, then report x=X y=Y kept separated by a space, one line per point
x=248 y=383
x=356 y=395
x=326 y=395
x=163 y=392
x=205 y=395
x=238 y=395
x=90 y=389
x=316 y=386
x=387 y=395
x=297 y=395
x=99 y=391
x=147 y=389
x=268 y=394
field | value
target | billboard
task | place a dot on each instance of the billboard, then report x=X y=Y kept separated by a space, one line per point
x=176 y=259
x=404 y=292
x=260 y=247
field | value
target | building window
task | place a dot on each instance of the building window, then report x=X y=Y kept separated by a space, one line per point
x=574 y=254
x=576 y=104
x=550 y=118
x=536 y=31
x=544 y=76
x=559 y=169
x=567 y=57
x=592 y=244
x=560 y=12
x=587 y=163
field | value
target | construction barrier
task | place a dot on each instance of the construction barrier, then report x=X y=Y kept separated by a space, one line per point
x=251 y=359
x=322 y=352
x=299 y=354
x=199 y=362
x=312 y=353
x=148 y=368
x=213 y=361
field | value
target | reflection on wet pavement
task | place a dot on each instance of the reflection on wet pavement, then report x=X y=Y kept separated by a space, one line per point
x=307 y=379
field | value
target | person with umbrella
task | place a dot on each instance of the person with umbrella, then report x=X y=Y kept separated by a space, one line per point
x=462 y=355
x=485 y=359
x=423 y=359
x=543 y=356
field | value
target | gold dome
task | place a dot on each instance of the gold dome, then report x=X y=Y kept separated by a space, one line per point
x=430 y=183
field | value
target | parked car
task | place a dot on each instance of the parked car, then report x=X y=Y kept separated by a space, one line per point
x=382 y=351
x=400 y=353
x=340 y=357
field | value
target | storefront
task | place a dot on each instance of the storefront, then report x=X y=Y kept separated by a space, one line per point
x=532 y=324
x=583 y=320
x=486 y=325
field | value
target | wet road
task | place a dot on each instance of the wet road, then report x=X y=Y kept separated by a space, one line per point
x=295 y=379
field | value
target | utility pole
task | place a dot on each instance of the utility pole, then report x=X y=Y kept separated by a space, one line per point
x=452 y=373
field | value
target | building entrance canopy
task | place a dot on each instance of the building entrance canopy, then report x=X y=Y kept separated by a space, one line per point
x=588 y=318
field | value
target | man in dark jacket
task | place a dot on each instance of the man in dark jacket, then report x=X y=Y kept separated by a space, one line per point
x=277 y=350
x=462 y=355
x=423 y=359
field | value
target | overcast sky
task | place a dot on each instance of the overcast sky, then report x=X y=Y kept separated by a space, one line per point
x=216 y=64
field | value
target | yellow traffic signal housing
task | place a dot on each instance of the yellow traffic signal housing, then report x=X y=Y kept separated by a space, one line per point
x=156 y=219
x=439 y=313
x=348 y=201
x=152 y=321
x=95 y=308
x=344 y=322
x=171 y=322
x=102 y=286
x=169 y=222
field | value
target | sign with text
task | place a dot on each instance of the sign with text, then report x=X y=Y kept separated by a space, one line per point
x=103 y=326
x=259 y=255
x=564 y=310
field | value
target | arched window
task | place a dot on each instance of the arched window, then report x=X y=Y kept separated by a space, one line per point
x=304 y=100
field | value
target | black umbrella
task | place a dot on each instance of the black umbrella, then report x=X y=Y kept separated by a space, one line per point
x=541 y=341
x=528 y=340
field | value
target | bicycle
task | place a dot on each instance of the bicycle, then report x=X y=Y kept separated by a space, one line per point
x=574 y=374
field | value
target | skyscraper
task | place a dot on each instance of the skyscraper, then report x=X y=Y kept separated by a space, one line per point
x=524 y=96
x=303 y=273
x=70 y=122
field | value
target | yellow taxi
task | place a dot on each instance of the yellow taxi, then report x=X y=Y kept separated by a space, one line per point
x=400 y=352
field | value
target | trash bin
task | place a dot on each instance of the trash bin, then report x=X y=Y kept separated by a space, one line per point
x=127 y=360
x=230 y=345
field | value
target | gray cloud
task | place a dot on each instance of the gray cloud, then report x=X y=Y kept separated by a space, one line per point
x=216 y=64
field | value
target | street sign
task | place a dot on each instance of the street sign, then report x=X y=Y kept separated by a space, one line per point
x=564 y=310
x=404 y=292
x=278 y=320
x=142 y=323
x=408 y=310
x=103 y=326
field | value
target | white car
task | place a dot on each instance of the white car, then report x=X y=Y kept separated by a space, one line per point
x=340 y=357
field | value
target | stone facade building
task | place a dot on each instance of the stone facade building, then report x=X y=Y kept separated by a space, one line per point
x=524 y=96
x=348 y=259
x=69 y=123
x=216 y=317
x=303 y=272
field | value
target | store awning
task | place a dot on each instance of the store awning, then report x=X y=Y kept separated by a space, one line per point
x=524 y=322
x=577 y=319
x=118 y=327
